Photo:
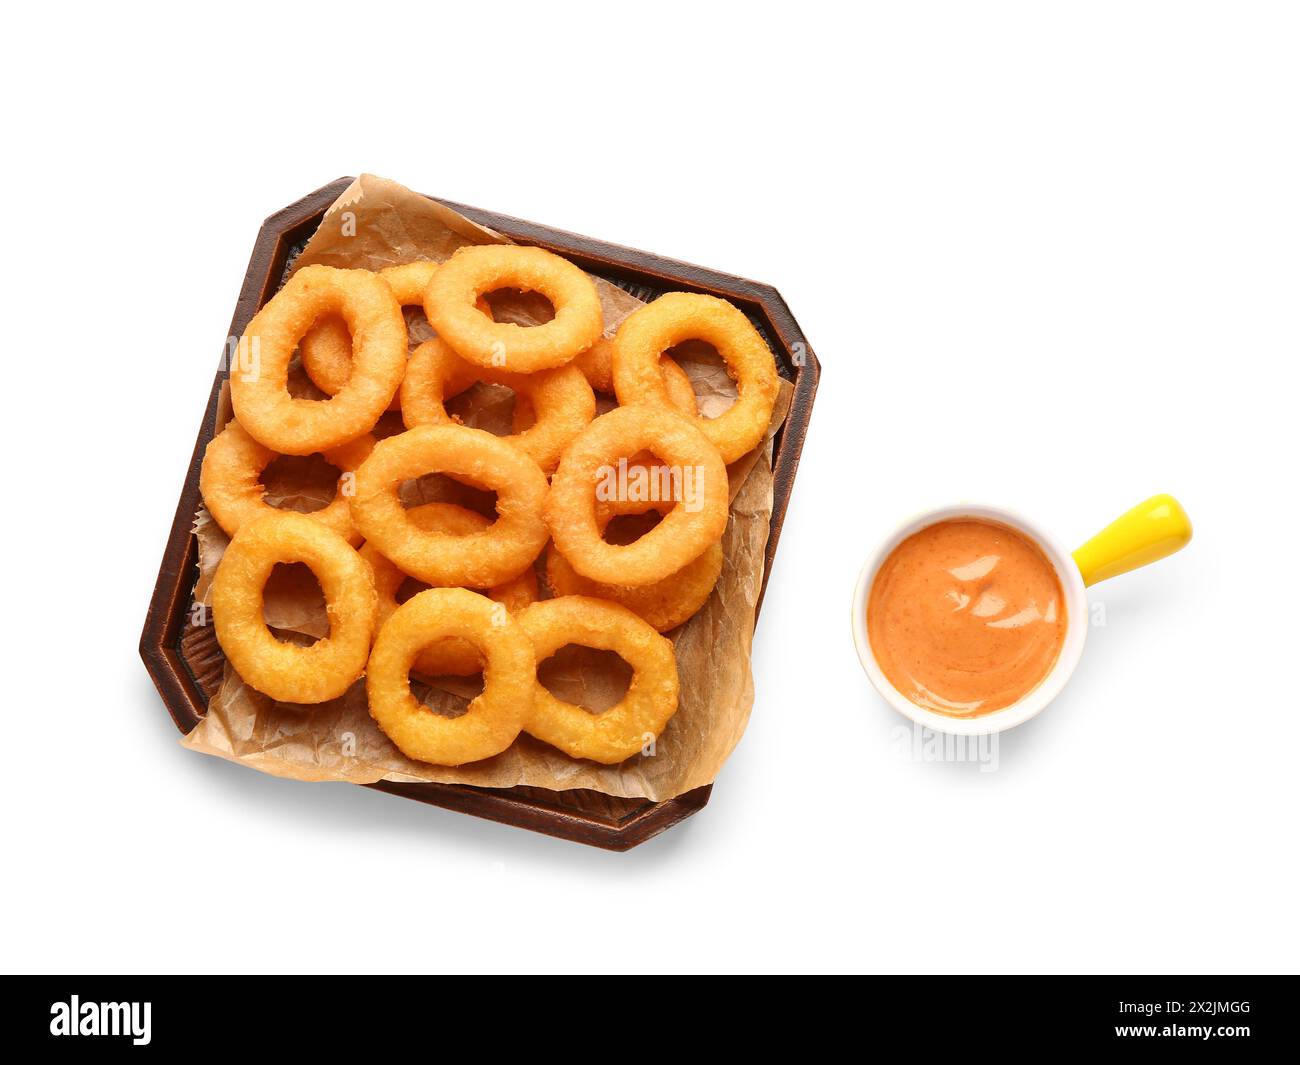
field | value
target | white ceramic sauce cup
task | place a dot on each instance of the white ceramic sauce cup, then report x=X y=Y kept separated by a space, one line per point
x=1028 y=705
x=1153 y=529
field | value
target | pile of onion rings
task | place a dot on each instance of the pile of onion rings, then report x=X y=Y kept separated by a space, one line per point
x=561 y=478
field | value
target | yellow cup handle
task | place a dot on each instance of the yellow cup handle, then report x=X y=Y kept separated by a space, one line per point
x=1147 y=533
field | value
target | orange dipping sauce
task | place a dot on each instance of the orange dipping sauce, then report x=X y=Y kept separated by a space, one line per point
x=966 y=616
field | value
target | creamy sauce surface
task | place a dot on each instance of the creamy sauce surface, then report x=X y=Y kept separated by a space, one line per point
x=966 y=616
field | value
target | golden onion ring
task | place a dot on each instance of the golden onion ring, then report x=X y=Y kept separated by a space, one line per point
x=230 y=481
x=284 y=671
x=474 y=271
x=651 y=699
x=591 y=463
x=259 y=378
x=480 y=560
x=678 y=316
x=493 y=719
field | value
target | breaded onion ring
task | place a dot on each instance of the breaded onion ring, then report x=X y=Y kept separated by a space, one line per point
x=597 y=364
x=259 y=380
x=449 y=304
x=651 y=698
x=677 y=316
x=664 y=605
x=284 y=671
x=451 y=656
x=326 y=348
x=230 y=481
x=493 y=719
x=681 y=393
x=561 y=400
x=480 y=560
x=590 y=464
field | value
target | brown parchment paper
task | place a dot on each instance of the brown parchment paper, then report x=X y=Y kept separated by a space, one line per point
x=378 y=223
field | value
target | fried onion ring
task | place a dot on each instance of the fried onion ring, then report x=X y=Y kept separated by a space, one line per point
x=493 y=719
x=480 y=560
x=677 y=316
x=259 y=379
x=562 y=401
x=664 y=605
x=597 y=364
x=449 y=304
x=697 y=474
x=681 y=393
x=230 y=481
x=326 y=348
x=284 y=671
x=651 y=698
x=450 y=656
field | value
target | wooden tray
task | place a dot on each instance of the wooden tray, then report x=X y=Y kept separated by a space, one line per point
x=184 y=659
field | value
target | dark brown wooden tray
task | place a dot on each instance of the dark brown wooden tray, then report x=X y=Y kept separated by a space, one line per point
x=185 y=661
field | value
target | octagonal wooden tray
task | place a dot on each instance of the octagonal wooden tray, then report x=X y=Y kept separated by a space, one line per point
x=184 y=659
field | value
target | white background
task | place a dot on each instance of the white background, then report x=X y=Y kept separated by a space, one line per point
x=1048 y=257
